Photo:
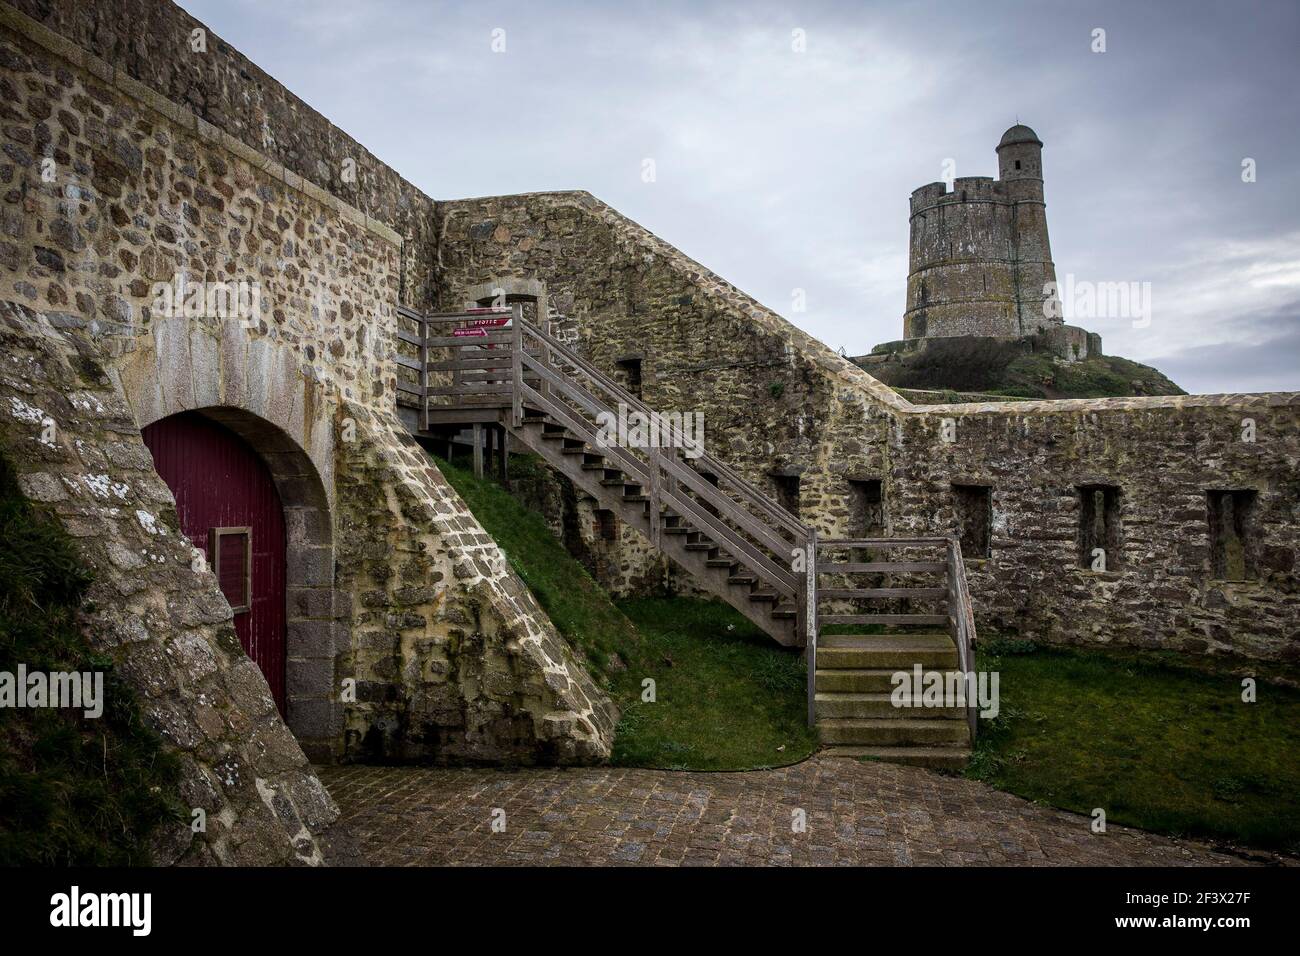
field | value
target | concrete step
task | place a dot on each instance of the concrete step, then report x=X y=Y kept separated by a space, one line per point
x=879 y=705
x=879 y=651
x=848 y=680
x=887 y=731
x=933 y=758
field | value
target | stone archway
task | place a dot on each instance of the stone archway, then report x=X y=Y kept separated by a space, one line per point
x=316 y=622
x=254 y=385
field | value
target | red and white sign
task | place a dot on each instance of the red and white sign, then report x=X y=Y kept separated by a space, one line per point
x=477 y=328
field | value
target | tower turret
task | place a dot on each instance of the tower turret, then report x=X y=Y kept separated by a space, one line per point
x=1020 y=155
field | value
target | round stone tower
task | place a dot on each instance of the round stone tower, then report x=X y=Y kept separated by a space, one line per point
x=979 y=255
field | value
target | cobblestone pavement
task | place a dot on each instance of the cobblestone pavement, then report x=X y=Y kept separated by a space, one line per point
x=857 y=814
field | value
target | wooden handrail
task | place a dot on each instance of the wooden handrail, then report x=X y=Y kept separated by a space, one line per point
x=712 y=464
x=962 y=617
x=960 y=614
x=668 y=457
x=883 y=542
x=662 y=462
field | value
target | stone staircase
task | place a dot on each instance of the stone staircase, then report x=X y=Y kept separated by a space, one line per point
x=856 y=716
x=732 y=539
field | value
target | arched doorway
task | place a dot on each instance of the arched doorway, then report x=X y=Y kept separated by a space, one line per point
x=230 y=509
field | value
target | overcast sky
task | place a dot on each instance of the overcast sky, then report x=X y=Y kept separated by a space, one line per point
x=784 y=170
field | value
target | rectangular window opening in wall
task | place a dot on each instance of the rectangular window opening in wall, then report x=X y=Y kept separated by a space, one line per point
x=787 y=492
x=1233 y=535
x=630 y=370
x=866 y=507
x=607 y=524
x=1100 y=540
x=974 y=507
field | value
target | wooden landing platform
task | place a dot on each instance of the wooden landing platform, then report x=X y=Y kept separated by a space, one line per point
x=485 y=424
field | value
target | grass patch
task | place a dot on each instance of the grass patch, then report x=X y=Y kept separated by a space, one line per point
x=572 y=599
x=1165 y=748
x=73 y=791
x=727 y=697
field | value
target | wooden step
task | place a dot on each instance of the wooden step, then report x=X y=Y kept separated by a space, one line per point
x=879 y=651
x=721 y=561
x=888 y=731
x=769 y=596
x=932 y=758
x=927 y=620
x=783 y=612
x=700 y=545
x=879 y=705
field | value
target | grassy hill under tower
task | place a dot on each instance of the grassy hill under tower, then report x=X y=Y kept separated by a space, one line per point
x=973 y=368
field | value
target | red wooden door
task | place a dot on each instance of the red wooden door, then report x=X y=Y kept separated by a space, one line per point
x=229 y=508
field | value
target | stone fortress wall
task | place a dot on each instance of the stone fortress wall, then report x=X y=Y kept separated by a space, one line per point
x=167 y=163
x=111 y=187
x=789 y=412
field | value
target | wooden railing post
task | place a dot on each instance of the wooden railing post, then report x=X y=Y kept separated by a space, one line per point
x=656 y=529
x=517 y=365
x=963 y=627
x=424 y=373
x=807 y=618
x=544 y=323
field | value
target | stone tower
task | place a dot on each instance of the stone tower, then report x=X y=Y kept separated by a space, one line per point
x=979 y=255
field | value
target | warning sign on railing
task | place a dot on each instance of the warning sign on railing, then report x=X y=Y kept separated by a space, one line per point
x=476 y=328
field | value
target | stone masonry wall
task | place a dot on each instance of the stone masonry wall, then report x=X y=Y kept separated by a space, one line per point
x=775 y=401
x=148 y=43
x=108 y=187
x=77 y=450
x=770 y=393
x=1164 y=454
x=454 y=660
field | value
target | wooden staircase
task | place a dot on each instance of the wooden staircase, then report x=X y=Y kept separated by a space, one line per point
x=492 y=368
